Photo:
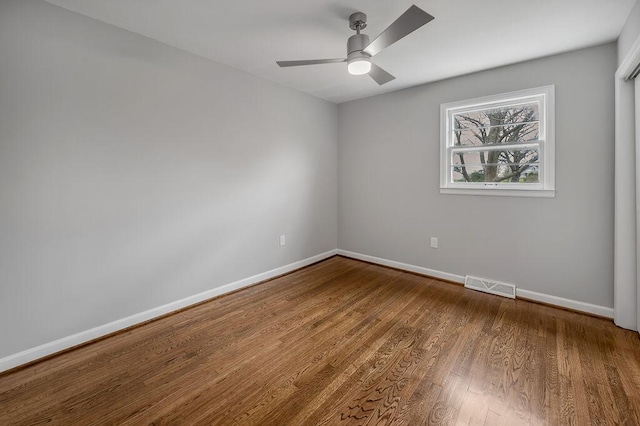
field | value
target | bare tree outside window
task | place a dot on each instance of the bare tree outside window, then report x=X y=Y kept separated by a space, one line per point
x=491 y=128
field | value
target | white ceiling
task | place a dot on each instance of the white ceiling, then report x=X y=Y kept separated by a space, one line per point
x=466 y=36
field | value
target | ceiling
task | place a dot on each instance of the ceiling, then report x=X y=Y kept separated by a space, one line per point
x=466 y=36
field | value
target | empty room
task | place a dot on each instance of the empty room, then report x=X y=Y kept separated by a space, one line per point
x=319 y=212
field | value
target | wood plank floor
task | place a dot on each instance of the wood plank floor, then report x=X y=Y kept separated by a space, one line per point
x=343 y=342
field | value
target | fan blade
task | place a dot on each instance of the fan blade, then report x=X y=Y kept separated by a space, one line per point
x=309 y=62
x=407 y=23
x=379 y=75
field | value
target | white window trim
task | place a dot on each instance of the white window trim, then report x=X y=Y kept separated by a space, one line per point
x=546 y=188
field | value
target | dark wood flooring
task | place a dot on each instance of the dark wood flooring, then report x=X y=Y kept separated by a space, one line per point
x=343 y=342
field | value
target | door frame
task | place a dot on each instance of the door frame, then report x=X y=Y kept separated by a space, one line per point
x=626 y=297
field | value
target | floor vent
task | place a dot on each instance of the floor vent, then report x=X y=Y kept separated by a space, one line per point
x=490 y=286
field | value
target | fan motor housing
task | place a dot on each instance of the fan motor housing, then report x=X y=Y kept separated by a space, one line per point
x=357 y=42
x=358 y=21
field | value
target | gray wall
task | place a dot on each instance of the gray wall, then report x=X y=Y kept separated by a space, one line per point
x=133 y=174
x=389 y=202
x=630 y=32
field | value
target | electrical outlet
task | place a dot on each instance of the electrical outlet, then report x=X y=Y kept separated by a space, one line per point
x=434 y=242
x=283 y=240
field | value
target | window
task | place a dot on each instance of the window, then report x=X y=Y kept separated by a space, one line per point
x=499 y=145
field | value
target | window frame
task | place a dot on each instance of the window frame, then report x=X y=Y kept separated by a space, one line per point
x=545 y=95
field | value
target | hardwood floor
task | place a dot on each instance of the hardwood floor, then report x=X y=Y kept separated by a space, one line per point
x=343 y=342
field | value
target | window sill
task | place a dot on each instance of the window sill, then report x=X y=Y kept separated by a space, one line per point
x=535 y=193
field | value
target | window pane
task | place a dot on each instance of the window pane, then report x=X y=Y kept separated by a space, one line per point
x=506 y=134
x=496 y=156
x=508 y=124
x=507 y=166
x=502 y=174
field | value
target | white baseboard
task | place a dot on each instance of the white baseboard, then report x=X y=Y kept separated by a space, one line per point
x=50 y=348
x=404 y=266
x=576 y=305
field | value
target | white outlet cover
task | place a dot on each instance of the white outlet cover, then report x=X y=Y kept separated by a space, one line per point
x=434 y=242
x=283 y=240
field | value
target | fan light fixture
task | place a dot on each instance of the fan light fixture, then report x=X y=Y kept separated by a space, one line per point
x=359 y=66
x=360 y=49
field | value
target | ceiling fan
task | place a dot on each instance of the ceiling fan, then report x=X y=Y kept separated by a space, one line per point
x=360 y=50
